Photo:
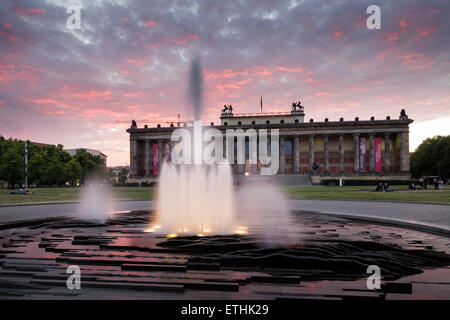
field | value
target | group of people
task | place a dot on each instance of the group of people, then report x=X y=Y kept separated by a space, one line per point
x=383 y=187
x=438 y=183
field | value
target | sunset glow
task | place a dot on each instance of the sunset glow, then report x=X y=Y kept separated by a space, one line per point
x=130 y=60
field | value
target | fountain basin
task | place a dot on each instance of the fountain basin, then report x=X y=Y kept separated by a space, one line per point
x=318 y=257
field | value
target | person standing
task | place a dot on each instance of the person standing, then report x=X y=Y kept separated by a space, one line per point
x=436 y=184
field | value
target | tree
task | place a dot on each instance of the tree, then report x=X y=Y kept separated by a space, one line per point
x=56 y=174
x=91 y=166
x=37 y=167
x=432 y=158
x=123 y=175
x=12 y=163
x=47 y=165
x=73 y=172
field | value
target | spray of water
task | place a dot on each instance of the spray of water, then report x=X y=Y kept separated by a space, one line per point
x=265 y=212
x=196 y=88
x=95 y=203
x=196 y=199
x=199 y=199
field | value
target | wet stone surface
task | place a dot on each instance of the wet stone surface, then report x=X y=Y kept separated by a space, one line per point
x=315 y=257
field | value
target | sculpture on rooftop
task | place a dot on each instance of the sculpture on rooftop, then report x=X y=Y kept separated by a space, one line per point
x=297 y=106
x=227 y=109
x=403 y=115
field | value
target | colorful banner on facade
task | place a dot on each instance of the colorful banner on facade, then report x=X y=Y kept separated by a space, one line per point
x=155 y=159
x=362 y=155
x=378 y=162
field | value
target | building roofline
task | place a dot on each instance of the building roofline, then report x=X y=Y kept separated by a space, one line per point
x=286 y=125
x=270 y=114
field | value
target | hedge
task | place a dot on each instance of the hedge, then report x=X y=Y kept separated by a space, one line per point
x=349 y=182
x=135 y=184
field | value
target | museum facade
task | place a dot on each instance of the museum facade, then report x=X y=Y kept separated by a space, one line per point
x=356 y=149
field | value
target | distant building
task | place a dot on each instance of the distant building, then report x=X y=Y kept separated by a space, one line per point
x=116 y=170
x=102 y=156
x=352 y=149
x=40 y=144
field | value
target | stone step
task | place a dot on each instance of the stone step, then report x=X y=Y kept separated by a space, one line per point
x=113 y=285
x=153 y=267
x=105 y=261
x=204 y=266
x=187 y=283
x=275 y=279
x=11 y=273
x=397 y=287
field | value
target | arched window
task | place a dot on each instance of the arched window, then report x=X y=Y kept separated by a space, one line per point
x=239 y=123
x=282 y=121
x=296 y=120
x=253 y=122
x=267 y=122
x=225 y=123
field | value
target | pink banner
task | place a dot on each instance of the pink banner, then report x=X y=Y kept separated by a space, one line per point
x=362 y=155
x=377 y=142
x=155 y=159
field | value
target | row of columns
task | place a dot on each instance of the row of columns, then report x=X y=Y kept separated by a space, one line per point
x=404 y=153
x=148 y=156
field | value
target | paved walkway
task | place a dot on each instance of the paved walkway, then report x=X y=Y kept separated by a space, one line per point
x=435 y=216
x=427 y=215
x=41 y=211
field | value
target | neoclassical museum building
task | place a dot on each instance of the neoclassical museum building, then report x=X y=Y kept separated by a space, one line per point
x=328 y=149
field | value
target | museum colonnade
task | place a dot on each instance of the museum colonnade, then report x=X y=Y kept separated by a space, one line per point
x=370 y=152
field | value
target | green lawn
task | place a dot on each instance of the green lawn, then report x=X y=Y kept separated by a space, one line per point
x=71 y=194
x=401 y=193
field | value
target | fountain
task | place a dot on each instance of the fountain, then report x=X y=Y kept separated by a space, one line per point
x=95 y=203
x=195 y=199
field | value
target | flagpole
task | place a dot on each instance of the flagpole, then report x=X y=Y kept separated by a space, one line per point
x=261 y=104
x=26 y=165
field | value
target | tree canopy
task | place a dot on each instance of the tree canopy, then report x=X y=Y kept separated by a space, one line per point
x=432 y=158
x=47 y=165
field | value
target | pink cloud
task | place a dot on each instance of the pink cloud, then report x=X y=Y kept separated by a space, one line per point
x=425 y=31
x=291 y=69
x=19 y=10
x=67 y=92
x=11 y=72
x=137 y=61
x=392 y=36
x=150 y=23
x=134 y=94
x=416 y=61
x=337 y=35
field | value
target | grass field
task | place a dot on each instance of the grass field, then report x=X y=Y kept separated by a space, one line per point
x=41 y=195
x=400 y=194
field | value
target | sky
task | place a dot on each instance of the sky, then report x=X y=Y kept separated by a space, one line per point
x=131 y=59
